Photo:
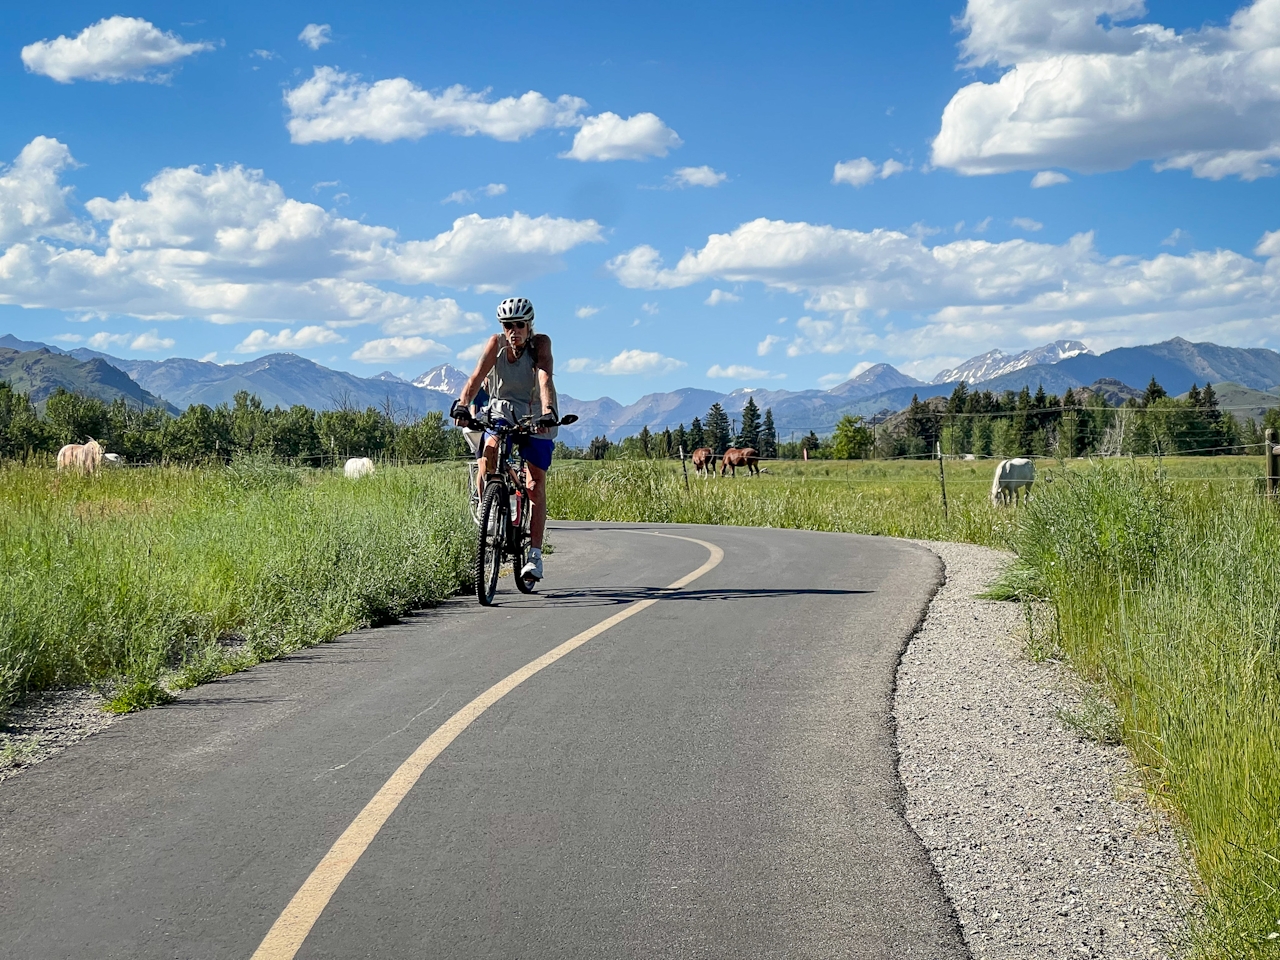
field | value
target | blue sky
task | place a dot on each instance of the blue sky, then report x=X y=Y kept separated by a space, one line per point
x=855 y=182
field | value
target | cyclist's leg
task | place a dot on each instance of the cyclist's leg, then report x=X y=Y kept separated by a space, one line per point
x=536 y=484
x=487 y=462
x=537 y=460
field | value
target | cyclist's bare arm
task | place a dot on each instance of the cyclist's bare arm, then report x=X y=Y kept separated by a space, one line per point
x=483 y=365
x=544 y=366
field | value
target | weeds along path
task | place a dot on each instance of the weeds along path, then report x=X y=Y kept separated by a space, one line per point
x=139 y=580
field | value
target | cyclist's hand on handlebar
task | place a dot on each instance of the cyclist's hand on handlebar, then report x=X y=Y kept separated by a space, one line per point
x=461 y=414
x=545 y=422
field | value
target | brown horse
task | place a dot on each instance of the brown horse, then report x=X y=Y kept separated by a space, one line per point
x=745 y=457
x=703 y=461
x=81 y=457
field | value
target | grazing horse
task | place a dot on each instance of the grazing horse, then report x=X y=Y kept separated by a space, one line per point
x=744 y=457
x=703 y=462
x=81 y=457
x=358 y=467
x=1011 y=477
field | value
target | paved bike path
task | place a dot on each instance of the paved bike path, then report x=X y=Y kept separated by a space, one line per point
x=711 y=777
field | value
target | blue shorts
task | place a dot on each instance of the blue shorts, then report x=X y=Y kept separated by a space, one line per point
x=535 y=450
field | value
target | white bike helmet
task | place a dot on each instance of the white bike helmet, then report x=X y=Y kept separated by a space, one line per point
x=516 y=308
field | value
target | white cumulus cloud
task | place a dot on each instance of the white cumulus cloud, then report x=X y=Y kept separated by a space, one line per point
x=697 y=177
x=1087 y=89
x=229 y=245
x=333 y=105
x=33 y=202
x=640 y=361
x=887 y=290
x=588 y=311
x=609 y=137
x=316 y=35
x=312 y=336
x=114 y=49
x=626 y=363
x=396 y=348
x=151 y=341
x=860 y=172
x=466 y=196
x=473 y=352
x=1048 y=178
x=765 y=346
x=739 y=372
x=103 y=340
x=718 y=296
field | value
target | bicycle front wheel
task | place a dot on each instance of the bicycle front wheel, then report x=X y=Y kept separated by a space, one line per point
x=492 y=536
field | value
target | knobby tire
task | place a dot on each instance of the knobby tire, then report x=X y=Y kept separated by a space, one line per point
x=489 y=547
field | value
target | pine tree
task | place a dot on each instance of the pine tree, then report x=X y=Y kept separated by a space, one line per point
x=768 y=437
x=646 y=441
x=717 y=429
x=599 y=447
x=1154 y=392
x=665 y=444
x=697 y=437
x=749 y=435
x=680 y=441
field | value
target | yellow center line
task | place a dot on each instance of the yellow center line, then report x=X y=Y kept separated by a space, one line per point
x=286 y=935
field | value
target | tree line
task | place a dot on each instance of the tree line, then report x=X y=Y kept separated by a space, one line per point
x=1079 y=423
x=972 y=422
x=716 y=431
x=204 y=433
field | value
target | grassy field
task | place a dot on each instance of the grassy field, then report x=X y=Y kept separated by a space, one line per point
x=1167 y=593
x=897 y=498
x=1165 y=580
x=134 y=577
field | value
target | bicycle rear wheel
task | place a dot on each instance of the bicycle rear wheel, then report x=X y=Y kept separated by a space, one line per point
x=492 y=536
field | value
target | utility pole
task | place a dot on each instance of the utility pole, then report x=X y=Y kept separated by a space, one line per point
x=685 y=467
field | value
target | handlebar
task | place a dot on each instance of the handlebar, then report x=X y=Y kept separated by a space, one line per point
x=503 y=427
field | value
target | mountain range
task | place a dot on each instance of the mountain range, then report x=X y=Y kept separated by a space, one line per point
x=284 y=379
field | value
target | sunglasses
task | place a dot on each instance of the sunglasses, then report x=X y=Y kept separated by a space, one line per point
x=513 y=324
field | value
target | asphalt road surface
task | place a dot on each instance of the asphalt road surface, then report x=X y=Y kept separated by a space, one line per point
x=713 y=776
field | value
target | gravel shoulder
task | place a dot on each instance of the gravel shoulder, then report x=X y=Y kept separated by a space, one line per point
x=45 y=724
x=1044 y=840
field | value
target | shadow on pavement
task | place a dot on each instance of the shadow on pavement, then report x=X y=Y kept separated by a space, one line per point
x=614 y=596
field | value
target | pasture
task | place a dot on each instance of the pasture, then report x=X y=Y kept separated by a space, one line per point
x=1163 y=578
x=138 y=580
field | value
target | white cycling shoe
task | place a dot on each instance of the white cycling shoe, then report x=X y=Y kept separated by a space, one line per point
x=532 y=570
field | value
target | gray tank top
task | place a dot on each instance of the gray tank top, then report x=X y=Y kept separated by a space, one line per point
x=517 y=383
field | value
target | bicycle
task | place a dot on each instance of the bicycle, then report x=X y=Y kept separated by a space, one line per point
x=502 y=517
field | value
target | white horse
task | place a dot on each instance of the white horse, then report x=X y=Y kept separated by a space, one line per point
x=1011 y=477
x=81 y=457
x=358 y=467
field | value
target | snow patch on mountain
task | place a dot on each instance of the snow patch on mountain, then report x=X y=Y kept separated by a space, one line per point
x=996 y=363
x=445 y=378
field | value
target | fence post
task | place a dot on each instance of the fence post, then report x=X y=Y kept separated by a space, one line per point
x=1273 y=464
x=685 y=467
x=942 y=478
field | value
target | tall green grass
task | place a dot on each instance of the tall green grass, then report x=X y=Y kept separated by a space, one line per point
x=129 y=576
x=1168 y=594
x=895 y=500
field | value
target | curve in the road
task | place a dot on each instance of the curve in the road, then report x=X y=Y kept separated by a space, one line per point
x=287 y=934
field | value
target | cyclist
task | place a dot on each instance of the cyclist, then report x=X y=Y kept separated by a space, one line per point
x=516 y=368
